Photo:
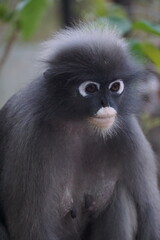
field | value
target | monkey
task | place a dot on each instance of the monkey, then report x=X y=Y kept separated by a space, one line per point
x=74 y=162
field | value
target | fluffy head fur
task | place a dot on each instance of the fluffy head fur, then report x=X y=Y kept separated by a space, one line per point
x=82 y=35
x=90 y=53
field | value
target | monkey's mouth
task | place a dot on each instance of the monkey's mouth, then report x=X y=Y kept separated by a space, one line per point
x=104 y=118
x=102 y=122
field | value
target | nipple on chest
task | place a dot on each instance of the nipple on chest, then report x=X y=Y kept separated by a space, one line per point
x=89 y=202
x=87 y=205
x=73 y=212
x=73 y=207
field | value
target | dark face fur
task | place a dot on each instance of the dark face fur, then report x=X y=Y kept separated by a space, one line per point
x=86 y=78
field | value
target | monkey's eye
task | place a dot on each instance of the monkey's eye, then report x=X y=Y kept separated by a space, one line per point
x=116 y=86
x=88 y=87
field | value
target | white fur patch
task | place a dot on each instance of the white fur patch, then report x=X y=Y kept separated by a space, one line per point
x=82 y=87
x=121 y=86
x=104 y=123
x=106 y=112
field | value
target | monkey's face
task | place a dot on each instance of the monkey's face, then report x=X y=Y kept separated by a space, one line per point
x=98 y=87
x=94 y=101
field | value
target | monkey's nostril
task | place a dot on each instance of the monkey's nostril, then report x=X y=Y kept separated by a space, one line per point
x=103 y=104
x=73 y=213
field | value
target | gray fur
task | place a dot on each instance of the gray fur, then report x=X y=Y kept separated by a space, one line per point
x=60 y=180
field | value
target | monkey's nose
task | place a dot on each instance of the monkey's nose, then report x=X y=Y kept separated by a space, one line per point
x=104 y=103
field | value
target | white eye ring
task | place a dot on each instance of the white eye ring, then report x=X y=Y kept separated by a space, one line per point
x=119 y=89
x=83 y=86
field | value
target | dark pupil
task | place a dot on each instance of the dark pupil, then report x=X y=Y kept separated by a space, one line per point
x=115 y=87
x=91 y=88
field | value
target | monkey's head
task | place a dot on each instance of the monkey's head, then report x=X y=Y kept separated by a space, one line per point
x=91 y=76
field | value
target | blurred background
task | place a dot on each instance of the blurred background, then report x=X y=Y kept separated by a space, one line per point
x=24 y=24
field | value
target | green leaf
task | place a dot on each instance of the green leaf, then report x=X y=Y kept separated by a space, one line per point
x=145 y=49
x=100 y=9
x=5 y=16
x=152 y=52
x=147 y=27
x=3 y=12
x=29 y=14
x=135 y=47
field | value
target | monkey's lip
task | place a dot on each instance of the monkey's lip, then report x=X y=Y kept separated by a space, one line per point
x=104 y=118
x=102 y=122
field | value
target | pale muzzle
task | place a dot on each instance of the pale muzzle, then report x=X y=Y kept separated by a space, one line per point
x=104 y=118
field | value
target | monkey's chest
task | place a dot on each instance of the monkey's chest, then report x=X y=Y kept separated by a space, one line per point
x=88 y=177
x=87 y=195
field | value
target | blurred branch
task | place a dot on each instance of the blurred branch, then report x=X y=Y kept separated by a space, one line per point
x=8 y=48
x=68 y=15
x=24 y=19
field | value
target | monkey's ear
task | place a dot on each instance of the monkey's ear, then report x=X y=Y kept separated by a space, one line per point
x=48 y=74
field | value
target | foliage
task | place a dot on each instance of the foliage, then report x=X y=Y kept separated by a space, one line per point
x=146 y=48
x=26 y=16
x=118 y=17
x=147 y=27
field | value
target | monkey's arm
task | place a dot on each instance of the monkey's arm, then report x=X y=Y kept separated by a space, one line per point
x=3 y=230
x=22 y=181
x=141 y=179
x=29 y=201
